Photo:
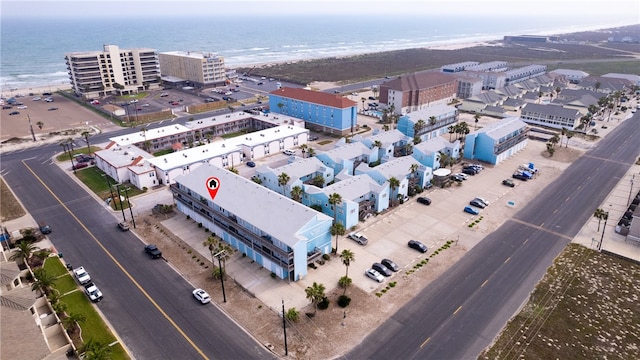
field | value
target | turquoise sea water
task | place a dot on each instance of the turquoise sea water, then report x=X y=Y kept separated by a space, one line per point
x=32 y=51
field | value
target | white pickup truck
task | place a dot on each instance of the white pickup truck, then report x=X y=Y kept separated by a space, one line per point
x=81 y=275
x=93 y=292
x=359 y=238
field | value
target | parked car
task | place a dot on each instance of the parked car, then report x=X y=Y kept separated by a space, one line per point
x=424 y=200
x=201 y=296
x=53 y=109
x=22 y=107
x=470 y=210
x=477 y=203
x=289 y=152
x=153 y=251
x=484 y=201
x=390 y=265
x=81 y=275
x=80 y=166
x=508 y=182
x=381 y=269
x=372 y=98
x=313 y=138
x=359 y=238
x=520 y=177
x=123 y=226
x=462 y=176
x=251 y=164
x=7 y=107
x=14 y=113
x=415 y=244
x=373 y=274
x=93 y=292
x=37 y=98
x=469 y=171
x=457 y=178
x=45 y=229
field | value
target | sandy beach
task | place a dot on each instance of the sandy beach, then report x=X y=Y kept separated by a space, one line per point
x=7 y=93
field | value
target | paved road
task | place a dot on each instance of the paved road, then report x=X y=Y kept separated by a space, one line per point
x=459 y=314
x=146 y=301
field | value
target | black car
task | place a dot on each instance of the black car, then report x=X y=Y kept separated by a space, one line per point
x=45 y=229
x=251 y=164
x=381 y=269
x=424 y=200
x=469 y=171
x=415 y=244
x=53 y=109
x=372 y=98
x=153 y=251
x=14 y=113
x=390 y=265
x=508 y=182
x=477 y=204
x=520 y=177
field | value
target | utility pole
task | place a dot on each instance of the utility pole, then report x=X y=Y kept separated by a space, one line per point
x=108 y=184
x=603 y=229
x=120 y=201
x=126 y=194
x=33 y=135
x=284 y=328
x=218 y=255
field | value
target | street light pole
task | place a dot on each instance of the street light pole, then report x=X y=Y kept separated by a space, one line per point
x=284 y=328
x=218 y=255
x=33 y=135
x=603 y=229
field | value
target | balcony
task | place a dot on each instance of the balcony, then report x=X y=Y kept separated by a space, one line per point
x=509 y=143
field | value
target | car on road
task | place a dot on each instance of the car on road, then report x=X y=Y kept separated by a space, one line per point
x=52 y=109
x=359 y=238
x=381 y=269
x=251 y=164
x=415 y=244
x=22 y=107
x=373 y=274
x=7 y=107
x=153 y=251
x=45 y=229
x=424 y=200
x=289 y=152
x=49 y=99
x=14 y=113
x=123 y=226
x=201 y=296
x=390 y=265
x=93 y=292
x=95 y=102
x=372 y=98
x=477 y=203
x=508 y=182
x=520 y=177
x=260 y=83
x=81 y=275
x=470 y=210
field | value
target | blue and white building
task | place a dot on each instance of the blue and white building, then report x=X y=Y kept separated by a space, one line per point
x=498 y=141
x=347 y=157
x=428 y=152
x=407 y=170
x=278 y=233
x=301 y=172
x=435 y=121
x=323 y=112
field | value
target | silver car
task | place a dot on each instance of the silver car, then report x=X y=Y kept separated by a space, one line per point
x=374 y=275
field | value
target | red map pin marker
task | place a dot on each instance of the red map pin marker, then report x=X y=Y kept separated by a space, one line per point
x=213 y=184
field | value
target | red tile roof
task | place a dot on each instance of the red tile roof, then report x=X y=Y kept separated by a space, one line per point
x=419 y=81
x=315 y=97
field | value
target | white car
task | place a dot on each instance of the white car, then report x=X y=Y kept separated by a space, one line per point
x=93 y=292
x=373 y=274
x=37 y=98
x=201 y=296
x=81 y=275
x=462 y=176
x=485 y=202
x=289 y=152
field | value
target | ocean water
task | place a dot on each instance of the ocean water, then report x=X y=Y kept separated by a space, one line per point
x=32 y=50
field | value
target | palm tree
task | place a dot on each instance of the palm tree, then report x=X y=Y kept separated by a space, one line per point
x=476 y=118
x=73 y=320
x=363 y=100
x=280 y=106
x=296 y=193
x=418 y=126
x=304 y=148
x=555 y=139
x=375 y=91
x=597 y=85
x=312 y=152
x=393 y=185
x=335 y=200
x=337 y=229
x=86 y=138
x=283 y=179
x=550 y=149
x=40 y=124
x=315 y=293
x=318 y=180
x=600 y=214
x=24 y=250
x=377 y=144
x=540 y=93
x=216 y=246
x=43 y=281
x=414 y=169
x=95 y=350
x=385 y=127
x=452 y=130
x=432 y=120
x=347 y=256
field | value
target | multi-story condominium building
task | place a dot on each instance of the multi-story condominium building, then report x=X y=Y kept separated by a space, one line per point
x=524 y=73
x=282 y=235
x=347 y=157
x=429 y=152
x=199 y=68
x=553 y=116
x=457 y=67
x=573 y=76
x=496 y=66
x=322 y=112
x=428 y=123
x=388 y=143
x=300 y=172
x=497 y=142
x=469 y=86
x=113 y=71
x=490 y=80
x=418 y=91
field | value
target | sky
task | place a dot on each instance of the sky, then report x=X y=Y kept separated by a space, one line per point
x=623 y=10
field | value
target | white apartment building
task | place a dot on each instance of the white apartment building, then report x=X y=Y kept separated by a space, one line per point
x=113 y=70
x=198 y=67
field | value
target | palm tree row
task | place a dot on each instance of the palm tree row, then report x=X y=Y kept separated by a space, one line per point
x=460 y=129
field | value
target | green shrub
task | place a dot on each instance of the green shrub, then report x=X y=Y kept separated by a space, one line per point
x=344 y=300
x=326 y=256
x=344 y=282
x=392 y=284
x=324 y=304
x=273 y=275
x=378 y=294
x=199 y=224
x=292 y=315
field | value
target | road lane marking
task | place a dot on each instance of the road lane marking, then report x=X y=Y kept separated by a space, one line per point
x=166 y=316
x=506 y=261
x=458 y=309
x=542 y=229
x=425 y=342
x=484 y=283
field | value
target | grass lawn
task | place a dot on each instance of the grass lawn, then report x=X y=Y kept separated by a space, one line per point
x=64 y=156
x=162 y=152
x=138 y=96
x=11 y=208
x=99 y=182
x=55 y=267
x=65 y=284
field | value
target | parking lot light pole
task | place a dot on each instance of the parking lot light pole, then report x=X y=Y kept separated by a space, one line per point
x=218 y=255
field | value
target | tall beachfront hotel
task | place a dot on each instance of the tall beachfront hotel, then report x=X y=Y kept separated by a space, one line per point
x=199 y=68
x=113 y=71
